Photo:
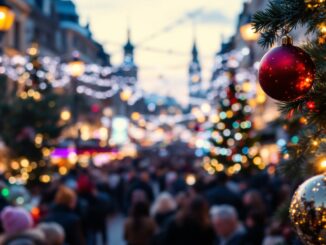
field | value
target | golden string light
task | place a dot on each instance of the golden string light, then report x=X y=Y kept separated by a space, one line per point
x=65 y=115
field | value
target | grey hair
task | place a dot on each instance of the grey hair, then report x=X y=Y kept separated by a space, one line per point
x=223 y=212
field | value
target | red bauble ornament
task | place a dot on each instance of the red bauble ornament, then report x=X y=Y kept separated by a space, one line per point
x=287 y=72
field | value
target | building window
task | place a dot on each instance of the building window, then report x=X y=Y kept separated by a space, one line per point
x=58 y=41
x=64 y=43
x=17 y=35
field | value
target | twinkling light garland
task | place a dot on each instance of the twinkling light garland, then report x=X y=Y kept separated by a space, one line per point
x=103 y=82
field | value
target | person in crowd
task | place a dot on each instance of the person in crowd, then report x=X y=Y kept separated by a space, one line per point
x=141 y=182
x=255 y=226
x=170 y=178
x=274 y=234
x=252 y=200
x=116 y=189
x=254 y=216
x=227 y=227
x=178 y=185
x=191 y=225
x=163 y=208
x=220 y=193
x=97 y=209
x=182 y=200
x=54 y=233
x=139 y=227
x=18 y=228
x=63 y=214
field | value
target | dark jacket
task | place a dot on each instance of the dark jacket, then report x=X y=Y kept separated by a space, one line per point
x=162 y=219
x=70 y=222
x=96 y=209
x=188 y=232
x=239 y=239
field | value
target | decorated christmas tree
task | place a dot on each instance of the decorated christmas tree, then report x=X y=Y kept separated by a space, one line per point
x=233 y=142
x=33 y=110
x=296 y=77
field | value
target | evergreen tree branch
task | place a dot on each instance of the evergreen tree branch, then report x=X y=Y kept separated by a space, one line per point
x=286 y=14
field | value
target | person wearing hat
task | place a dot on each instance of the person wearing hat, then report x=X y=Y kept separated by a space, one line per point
x=63 y=214
x=18 y=228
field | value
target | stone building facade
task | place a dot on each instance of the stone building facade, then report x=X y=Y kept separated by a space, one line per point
x=54 y=25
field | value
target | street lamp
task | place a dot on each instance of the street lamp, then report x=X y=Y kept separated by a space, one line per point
x=33 y=50
x=249 y=35
x=7 y=18
x=76 y=68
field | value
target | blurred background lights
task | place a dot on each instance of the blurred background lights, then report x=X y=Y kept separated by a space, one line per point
x=65 y=115
x=191 y=179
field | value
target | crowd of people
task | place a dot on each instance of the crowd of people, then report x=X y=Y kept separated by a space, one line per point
x=161 y=207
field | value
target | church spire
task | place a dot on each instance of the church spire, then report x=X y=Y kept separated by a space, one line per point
x=194 y=52
x=129 y=47
x=194 y=72
x=128 y=34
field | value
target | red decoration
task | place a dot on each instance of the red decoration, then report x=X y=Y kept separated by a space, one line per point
x=311 y=105
x=36 y=214
x=95 y=108
x=287 y=72
x=290 y=114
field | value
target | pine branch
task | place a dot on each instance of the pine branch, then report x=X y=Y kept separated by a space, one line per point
x=302 y=163
x=317 y=52
x=292 y=169
x=285 y=14
x=292 y=106
x=268 y=38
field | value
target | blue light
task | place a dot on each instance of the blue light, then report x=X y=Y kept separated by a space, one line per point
x=224 y=151
x=235 y=125
x=206 y=145
x=295 y=139
x=281 y=142
x=245 y=150
x=199 y=153
x=222 y=115
x=284 y=150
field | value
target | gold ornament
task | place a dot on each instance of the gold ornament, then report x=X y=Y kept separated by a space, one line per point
x=308 y=210
x=314 y=3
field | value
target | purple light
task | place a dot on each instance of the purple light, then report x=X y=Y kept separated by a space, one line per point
x=62 y=152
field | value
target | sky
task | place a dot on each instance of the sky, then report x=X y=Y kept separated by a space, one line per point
x=163 y=32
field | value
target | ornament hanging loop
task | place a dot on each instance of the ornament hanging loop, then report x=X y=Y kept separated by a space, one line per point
x=287 y=40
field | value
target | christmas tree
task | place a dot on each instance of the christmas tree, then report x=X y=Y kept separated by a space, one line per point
x=233 y=143
x=302 y=97
x=30 y=121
